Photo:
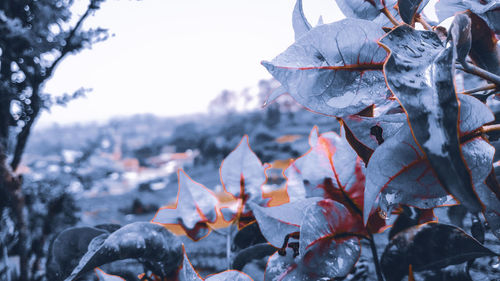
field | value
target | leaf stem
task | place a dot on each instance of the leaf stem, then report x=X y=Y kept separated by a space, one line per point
x=422 y=21
x=375 y=258
x=388 y=14
x=480 y=89
x=472 y=69
x=491 y=128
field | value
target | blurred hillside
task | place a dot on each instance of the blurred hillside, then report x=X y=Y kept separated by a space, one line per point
x=143 y=151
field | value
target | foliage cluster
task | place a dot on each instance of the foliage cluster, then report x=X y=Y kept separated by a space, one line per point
x=409 y=142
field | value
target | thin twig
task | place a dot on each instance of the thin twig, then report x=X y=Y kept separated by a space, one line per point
x=390 y=16
x=68 y=47
x=472 y=69
x=479 y=89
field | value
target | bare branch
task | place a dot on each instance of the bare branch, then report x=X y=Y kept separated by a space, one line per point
x=67 y=48
x=486 y=75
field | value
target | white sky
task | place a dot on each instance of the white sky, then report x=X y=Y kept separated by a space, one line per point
x=173 y=57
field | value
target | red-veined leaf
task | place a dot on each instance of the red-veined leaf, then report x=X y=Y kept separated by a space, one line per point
x=103 y=276
x=327 y=250
x=195 y=206
x=327 y=222
x=242 y=174
x=334 y=69
x=276 y=222
x=399 y=171
x=321 y=263
x=300 y=24
x=420 y=73
x=306 y=175
x=330 y=169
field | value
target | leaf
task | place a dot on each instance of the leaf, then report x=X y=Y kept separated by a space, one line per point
x=285 y=268
x=229 y=275
x=326 y=248
x=306 y=175
x=408 y=9
x=473 y=114
x=334 y=69
x=330 y=169
x=67 y=248
x=327 y=236
x=411 y=216
x=300 y=24
x=429 y=246
x=460 y=32
x=152 y=243
x=276 y=222
x=420 y=73
x=242 y=174
x=489 y=11
x=248 y=236
x=492 y=208
x=373 y=131
x=195 y=206
x=274 y=95
x=255 y=252
x=187 y=271
x=485 y=51
x=398 y=169
x=103 y=276
x=362 y=9
x=399 y=172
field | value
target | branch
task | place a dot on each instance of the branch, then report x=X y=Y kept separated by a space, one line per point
x=422 y=21
x=22 y=137
x=479 y=89
x=67 y=48
x=491 y=128
x=390 y=16
x=472 y=69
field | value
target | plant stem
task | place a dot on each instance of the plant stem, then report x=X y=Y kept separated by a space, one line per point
x=390 y=16
x=491 y=128
x=472 y=69
x=422 y=21
x=375 y=258
x=479 y=89
x=228 y=246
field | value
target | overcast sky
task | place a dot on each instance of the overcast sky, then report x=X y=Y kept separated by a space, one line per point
x=173 y=57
